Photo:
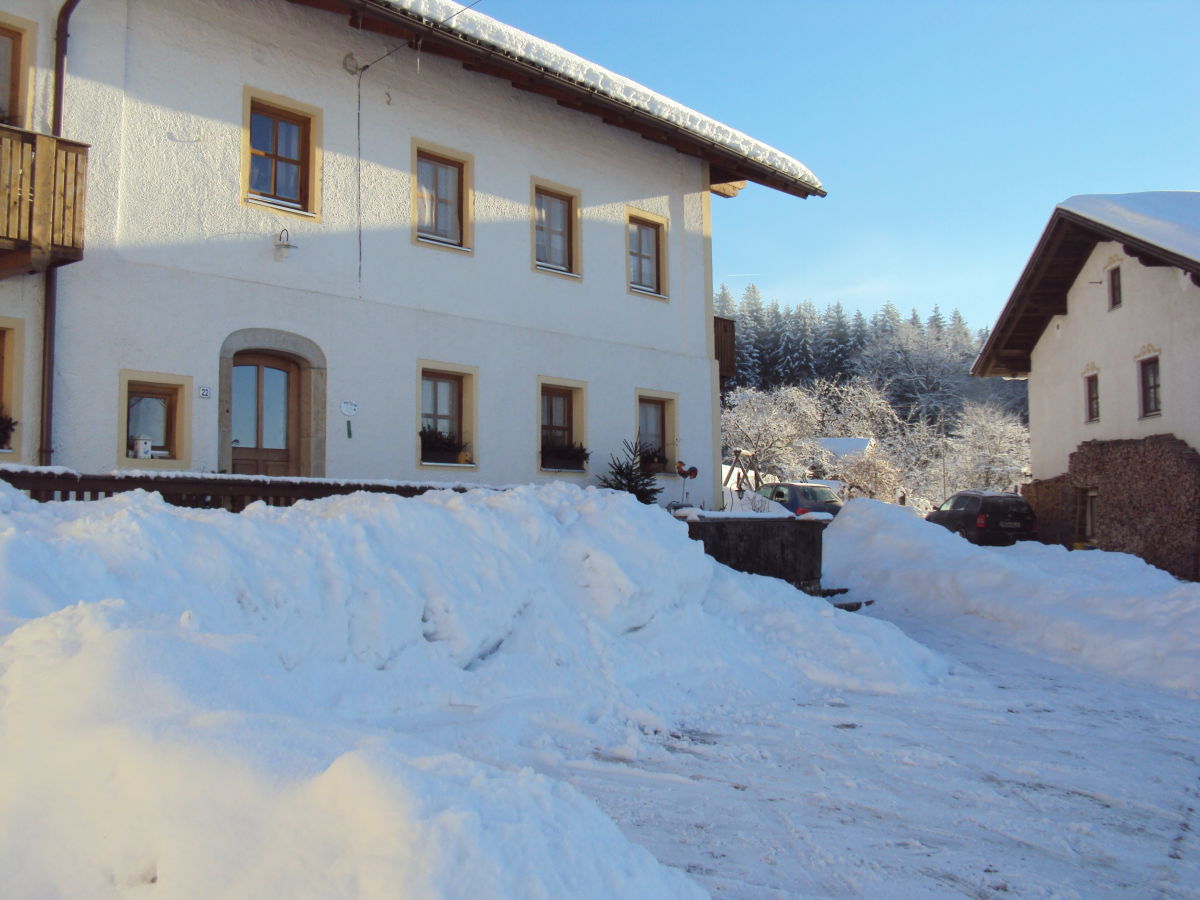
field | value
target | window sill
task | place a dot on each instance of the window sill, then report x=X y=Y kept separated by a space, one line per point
x=645 y=292
x=553 y=471
x=1091 y=421
x=449 y=465
x=278 y=207
x=551 y=270
x=1151 y=415
x=445 y=245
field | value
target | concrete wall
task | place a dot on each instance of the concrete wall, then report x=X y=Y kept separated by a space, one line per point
x=176 y=261
x=1159 y=316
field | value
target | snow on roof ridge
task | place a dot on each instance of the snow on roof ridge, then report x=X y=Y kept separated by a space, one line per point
x=1169 y=220
x=528 y=48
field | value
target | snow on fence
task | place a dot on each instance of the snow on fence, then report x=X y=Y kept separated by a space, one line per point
x=199 y=491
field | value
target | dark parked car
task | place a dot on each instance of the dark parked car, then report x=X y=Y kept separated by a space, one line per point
x=987 y=517
x=802 y=498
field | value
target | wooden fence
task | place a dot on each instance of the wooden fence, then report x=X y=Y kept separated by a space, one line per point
x=195 y=491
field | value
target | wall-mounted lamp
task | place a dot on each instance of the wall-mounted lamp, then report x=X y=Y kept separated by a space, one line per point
x=283 y=243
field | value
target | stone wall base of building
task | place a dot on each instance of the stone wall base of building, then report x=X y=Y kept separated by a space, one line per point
x=1144 y=500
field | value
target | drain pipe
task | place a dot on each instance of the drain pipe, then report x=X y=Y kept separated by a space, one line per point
x=50 y=278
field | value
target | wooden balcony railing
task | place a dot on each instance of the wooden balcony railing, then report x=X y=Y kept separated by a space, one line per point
x=43 y=185
x=723 y=340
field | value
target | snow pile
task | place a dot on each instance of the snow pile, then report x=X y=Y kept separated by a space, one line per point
x=520 y=45
x=1110 y=611
x=350 y=697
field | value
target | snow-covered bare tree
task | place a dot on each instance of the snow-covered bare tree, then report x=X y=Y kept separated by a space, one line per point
x=988 y=449
x=778 y=427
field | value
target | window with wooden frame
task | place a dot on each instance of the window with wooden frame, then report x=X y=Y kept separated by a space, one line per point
x=1114 y=287
x=1091 y=389
x=11 y=351
x=11 y=70
x=1151 y=387
x=7 y=419
x=280 y=156
x=440 y=199
x=554 y=230
x=155 y=425
x=561 y=417
x=446 y=415
x=653 y=435
x=645 y=255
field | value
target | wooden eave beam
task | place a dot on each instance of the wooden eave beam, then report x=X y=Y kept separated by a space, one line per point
x=373 y=15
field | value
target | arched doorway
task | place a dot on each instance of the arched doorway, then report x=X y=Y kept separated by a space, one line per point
x=265 y=415
x=272 y=403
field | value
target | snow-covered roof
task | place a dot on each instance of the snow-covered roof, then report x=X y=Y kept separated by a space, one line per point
x=503 y=44
x=1155 y=227
x=1169 y=220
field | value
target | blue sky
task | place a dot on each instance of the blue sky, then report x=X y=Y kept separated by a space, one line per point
x=945 y=132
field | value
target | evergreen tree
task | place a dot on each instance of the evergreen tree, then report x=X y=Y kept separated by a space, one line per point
x=886 y=321
x=833 y=344
x=860 y=333
x=723 y=303
x=771 y=350
x=914 y=320
x=749 y=326
x=936 y=324
x=803 y=328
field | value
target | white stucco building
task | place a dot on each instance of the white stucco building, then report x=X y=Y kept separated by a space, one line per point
x=315 y=227
x=1105 y=322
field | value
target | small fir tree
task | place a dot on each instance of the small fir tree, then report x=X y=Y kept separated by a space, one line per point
x=627 y=474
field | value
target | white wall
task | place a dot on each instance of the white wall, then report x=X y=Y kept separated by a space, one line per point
x=1159 y=316
x=175 y=261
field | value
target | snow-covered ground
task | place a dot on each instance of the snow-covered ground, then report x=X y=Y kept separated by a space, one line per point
x=553 y=693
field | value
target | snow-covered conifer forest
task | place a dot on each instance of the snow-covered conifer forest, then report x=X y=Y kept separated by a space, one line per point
x=804 y=374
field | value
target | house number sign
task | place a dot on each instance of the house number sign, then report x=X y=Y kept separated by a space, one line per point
x=349 y=407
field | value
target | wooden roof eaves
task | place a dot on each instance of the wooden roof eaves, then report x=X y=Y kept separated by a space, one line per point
x=1027 y=312
x=477 y=56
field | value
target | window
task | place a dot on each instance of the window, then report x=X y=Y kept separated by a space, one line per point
x=12 y=333
x=561 y=419
x=644 y=256
x=555 y=233
x=155 y=420
x=1092 y=391
x=10 y=76
x=1114 y=287
x=279 y=156
x=442 y=197
x=445 y=425
x=655 y=431
x=1151 y=387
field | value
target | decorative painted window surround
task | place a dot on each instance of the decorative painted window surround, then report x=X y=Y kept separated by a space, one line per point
x=646 y=253
x=443 y=204
x=656 y=425
x=573 y=431
x=556 y=234
x=281 y=154
x=173 y=442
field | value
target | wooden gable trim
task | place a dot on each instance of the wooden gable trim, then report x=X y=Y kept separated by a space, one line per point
x=1041 y=292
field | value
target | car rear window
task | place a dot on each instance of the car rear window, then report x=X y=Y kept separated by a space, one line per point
x=1007 y=506
x=818 y=494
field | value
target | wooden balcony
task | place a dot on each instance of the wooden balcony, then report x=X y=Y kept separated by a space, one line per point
x=43 y=182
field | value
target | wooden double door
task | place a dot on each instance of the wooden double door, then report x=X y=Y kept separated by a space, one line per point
x=265 y=408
